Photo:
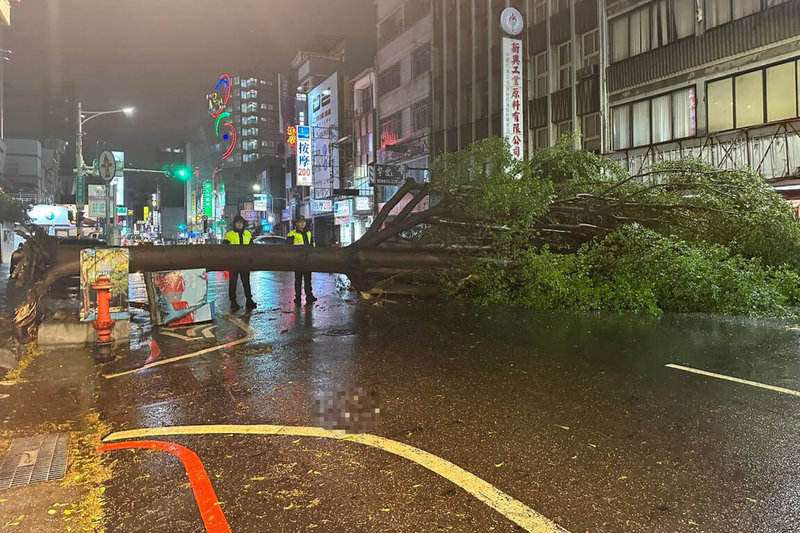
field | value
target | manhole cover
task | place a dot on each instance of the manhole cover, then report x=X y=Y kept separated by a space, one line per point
x=339 y=333
x=34 y=459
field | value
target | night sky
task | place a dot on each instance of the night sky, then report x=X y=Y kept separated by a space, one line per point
x=161 y=56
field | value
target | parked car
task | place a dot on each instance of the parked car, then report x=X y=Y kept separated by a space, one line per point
x=269 y=239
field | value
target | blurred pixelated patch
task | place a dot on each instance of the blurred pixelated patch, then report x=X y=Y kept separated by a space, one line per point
x=353 y=410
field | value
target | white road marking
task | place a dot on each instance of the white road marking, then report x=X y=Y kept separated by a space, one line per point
x=735 y=380
x=514 y=510
x=237 y=321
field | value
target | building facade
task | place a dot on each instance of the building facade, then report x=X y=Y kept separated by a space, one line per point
x=713 y=79
x=255 y=115
x=403 y=63
x=642 y=80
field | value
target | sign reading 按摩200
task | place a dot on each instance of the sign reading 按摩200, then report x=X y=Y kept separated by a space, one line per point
x=305 y=176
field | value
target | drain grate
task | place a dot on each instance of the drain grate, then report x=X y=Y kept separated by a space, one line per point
x=33 y=460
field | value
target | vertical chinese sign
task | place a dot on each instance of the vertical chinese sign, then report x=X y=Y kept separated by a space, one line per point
x=512 y=96
x=304 y=170
x=208 y=199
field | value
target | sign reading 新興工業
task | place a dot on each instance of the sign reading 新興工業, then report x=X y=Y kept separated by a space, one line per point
x=513 y=119
x=305 y=176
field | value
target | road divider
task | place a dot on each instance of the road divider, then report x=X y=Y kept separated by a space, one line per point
x=512 y=509
x=735 y=380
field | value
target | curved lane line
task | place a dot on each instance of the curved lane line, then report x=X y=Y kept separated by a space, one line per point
x=207 y=502
x=250 y=335
x=514 y=510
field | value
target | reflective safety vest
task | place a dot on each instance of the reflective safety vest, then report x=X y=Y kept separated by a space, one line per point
x=300 y=239
x=233 y=237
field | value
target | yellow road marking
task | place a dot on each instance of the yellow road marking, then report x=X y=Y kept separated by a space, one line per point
x=735 y=380
x=250 y=335
x=514 y=510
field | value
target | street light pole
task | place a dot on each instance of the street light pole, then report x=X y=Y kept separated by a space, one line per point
x=80 y=165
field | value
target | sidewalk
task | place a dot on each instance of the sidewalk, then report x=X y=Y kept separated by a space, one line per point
x=54 y=394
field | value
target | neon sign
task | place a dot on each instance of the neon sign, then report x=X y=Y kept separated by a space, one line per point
x=217 y=103
x=291 y=136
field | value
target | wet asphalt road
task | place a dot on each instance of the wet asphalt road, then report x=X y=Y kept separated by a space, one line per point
x=575 y=416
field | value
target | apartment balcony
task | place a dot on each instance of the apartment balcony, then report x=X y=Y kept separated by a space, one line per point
x=772 y=150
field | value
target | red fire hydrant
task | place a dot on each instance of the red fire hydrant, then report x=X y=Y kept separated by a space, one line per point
x=104 y=324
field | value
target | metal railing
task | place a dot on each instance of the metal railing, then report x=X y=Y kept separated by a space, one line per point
x=772 y=150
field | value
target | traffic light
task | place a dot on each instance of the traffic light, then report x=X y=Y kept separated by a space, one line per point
x=179 y=172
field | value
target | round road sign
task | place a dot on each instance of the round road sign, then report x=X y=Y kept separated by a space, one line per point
x=107 y=165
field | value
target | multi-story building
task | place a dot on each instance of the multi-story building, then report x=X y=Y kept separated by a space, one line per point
x=255 y=115
x=714 y=79
x=403 y=64
x=643 y=80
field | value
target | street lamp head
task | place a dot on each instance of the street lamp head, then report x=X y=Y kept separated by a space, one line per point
x=128 y=111
x=256 y=187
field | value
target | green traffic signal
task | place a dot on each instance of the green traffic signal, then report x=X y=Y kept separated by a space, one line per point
x=180 y=172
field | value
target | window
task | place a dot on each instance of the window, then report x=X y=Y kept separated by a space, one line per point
x=540 y=66
x=619 y=39
x=539 y=11
x=564 y=65
x=591 y=132
x=719 y=99
x=639 y=32
x=684 y=16
x=590 y=48
x=391 y=129
x=389 y=79
x=644 y=29
x=661 y=110
x=415 y=10
x=721 y=11
x=420 y=113
x=717 y=12
x=365 y=100
x=560 y=5
x=749 y=101
x=641 y=123
x=564 y=128
x=540 y=137
x=684 y=117
x=420 y=61
x=390 y=28
x=780 y=84
x=621 y=126
x=659 y=119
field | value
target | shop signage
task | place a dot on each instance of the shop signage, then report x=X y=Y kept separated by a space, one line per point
x=304 y=168
x=390 y=174
x=363 y=203
x=512 y=96
x=342 y=208
x=208 y=199
x=322 y=206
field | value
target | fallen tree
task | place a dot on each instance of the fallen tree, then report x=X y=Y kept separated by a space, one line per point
x=496 y=229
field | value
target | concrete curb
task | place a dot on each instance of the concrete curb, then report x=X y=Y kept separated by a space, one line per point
x=68 y=333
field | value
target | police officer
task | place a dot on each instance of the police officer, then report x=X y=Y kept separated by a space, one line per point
x=240 y=236
x=300 y=236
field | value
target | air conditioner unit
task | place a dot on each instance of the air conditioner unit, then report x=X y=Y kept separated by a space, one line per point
x=589 y=71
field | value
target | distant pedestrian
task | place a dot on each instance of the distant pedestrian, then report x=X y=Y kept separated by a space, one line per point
x=300 y=236
x=239 y=236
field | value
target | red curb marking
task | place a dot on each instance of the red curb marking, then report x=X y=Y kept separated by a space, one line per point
x=207 y=502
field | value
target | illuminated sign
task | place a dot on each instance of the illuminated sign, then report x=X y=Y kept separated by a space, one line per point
x=304 y=165
x=208 y=199
x=512 y=96
x=217 y=103
x=291 y=136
